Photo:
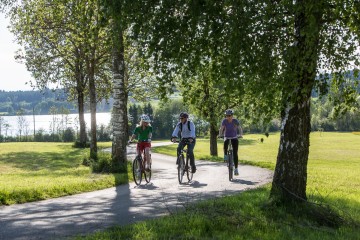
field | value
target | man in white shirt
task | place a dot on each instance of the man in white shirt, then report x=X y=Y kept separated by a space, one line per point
x=186 y=128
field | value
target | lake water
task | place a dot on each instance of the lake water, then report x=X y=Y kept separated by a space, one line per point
x=45 y=122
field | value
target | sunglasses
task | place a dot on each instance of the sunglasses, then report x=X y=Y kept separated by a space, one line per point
x=228 y=115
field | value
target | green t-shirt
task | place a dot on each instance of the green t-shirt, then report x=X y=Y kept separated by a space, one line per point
x=142 y=134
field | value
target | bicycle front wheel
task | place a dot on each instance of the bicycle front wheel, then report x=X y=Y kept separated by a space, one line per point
x=136 y=170
x=181 y=168
x=231 y=166
x=189 y=172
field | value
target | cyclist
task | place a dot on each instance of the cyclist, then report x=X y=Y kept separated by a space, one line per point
x=231 y=130
x=143 y=131
x=186 y=128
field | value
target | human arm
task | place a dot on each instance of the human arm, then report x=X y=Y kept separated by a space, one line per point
x=175 y=133
x=240 y=131
x=222 y=129
x=192 y=130
x=132 y=138
x=150 y=135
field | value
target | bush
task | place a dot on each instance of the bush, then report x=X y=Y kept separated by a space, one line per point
x=69 y=135
x=104 y=164
x=78 y=144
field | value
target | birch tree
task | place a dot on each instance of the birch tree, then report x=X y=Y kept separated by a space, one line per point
x=272 y=53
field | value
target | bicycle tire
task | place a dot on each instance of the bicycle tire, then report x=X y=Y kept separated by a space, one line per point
x=231 y=165
x=181 y=168
x=189 y=173
x=136 y=174
x=147 y=174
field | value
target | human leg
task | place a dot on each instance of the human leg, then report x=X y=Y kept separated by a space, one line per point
x=179 y=148
x=147 y=157
x=191 y=155
x=226 y=144
x=235 y=145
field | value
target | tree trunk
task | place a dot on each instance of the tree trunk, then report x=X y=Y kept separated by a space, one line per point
x=93 y=142
x=82 y=124
x=213 y=139
x=290 y=176
x=120 y=95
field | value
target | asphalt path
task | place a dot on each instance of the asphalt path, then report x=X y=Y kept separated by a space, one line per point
x=86 y=213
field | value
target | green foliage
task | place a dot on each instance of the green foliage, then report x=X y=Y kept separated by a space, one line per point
x=166 y=116
x=104 y=164
x=78 y=144
x=69 y=135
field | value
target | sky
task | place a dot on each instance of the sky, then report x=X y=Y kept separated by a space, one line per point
x=13 y=75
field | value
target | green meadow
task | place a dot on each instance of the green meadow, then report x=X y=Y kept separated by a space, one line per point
x=35 y=171
x=333 y=211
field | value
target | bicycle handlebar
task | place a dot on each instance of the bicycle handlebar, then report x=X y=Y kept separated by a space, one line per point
x=185 y=140
x=225 y=138
x=136 y=142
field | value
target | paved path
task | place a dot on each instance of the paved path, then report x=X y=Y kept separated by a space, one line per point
x=89 y=212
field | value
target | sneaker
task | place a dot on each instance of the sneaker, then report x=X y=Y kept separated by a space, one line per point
x=147 y=168
x=193 y=170
x=225 y=158
x=236 y=172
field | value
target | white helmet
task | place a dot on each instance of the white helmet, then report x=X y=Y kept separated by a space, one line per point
x=229 y=112
x=145 y=118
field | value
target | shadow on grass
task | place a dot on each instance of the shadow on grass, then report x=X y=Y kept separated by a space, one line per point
x=34 y=161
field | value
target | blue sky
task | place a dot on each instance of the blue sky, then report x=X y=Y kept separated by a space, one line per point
x=13 y=75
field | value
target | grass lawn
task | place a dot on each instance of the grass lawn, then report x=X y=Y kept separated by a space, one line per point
x=333 y=180
x=34 y=171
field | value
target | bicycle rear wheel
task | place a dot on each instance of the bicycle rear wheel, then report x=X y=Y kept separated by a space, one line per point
x=181 y=168
x=147 y=174
x=136 y=170
x=231 y=165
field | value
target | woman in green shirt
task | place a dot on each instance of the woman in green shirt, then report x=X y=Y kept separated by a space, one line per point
x=143 y=132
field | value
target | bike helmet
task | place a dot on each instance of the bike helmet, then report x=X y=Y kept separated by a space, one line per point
x=184 y=115
x=229 y=112
x=145 y=118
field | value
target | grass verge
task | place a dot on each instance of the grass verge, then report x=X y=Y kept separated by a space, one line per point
x=333 y=192
x=243 y=216
x=37 y=171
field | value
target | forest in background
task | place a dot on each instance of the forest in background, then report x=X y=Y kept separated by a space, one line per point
x=40 y=102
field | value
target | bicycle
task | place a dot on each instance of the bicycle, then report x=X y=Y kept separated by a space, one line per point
x=183 y=163
x=230 y=160
x=138 y=167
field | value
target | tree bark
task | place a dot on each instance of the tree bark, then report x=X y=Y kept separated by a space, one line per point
x=82 y=130
x=290 y=176
x=120 y=95
x=93 y=142
x=213 y=139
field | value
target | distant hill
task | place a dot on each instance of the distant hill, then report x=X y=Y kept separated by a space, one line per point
x=40 y=102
